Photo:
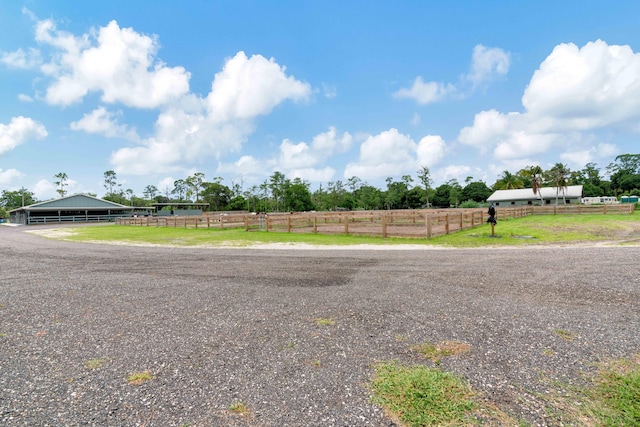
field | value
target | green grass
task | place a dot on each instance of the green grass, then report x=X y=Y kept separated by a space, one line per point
x=239 y=408
x=421 y=396
x=137 y=378
x=547 y=229
x=616 y=396
x=216 y=237
x=531 y=230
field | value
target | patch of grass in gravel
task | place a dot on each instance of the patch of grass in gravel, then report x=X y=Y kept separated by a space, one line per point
x=325 y=321
x=420 y=396
x=565 y=335
x=97 y=363
x=239 y=408
x=138 y=378
x=613 y=399
x=435 y=352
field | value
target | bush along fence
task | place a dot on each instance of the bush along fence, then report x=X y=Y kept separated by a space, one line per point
x=397 y=223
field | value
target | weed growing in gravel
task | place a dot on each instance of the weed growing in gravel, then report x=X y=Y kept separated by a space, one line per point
x=435 y=352
x=137 y=378
x=239 y=408
x=565 y=335
x=422 y=396
x=322 y=321
x=612 y=400
x=290 y=344
x=616 y=396
x=95 y=363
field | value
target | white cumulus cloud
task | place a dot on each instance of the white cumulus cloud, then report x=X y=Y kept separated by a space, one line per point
x=103 y=122
x=9 y=175
x=19 y=130
x=574 y=92
x=391 y=153
x=118 y=63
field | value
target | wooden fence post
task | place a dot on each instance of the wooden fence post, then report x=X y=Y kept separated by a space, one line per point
x=289 y=224
x=315 y=224
x=246 y=223
x=427 y=219
x=446 y=224
x=384 y=225
x=346 y=224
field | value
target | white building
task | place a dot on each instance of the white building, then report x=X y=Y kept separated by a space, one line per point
x=571 y=194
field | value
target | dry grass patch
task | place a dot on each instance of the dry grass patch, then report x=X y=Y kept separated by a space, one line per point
x=435 y=352
x=138 y=378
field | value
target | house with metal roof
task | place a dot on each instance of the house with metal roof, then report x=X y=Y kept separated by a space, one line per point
x=571 y=194
x=74 y=208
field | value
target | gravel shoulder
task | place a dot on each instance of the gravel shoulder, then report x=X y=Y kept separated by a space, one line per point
x=216 y=326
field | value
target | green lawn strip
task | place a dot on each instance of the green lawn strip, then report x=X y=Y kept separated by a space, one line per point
x=217 y=237
x=544 y=229
x=531 y=230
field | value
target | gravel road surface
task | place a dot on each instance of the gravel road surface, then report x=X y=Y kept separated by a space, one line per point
x=214 y=327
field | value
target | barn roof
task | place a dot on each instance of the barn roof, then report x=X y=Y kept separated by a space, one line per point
x=75 y=201
x=570 y=191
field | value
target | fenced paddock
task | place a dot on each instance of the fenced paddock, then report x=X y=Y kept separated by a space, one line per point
x=397 y=223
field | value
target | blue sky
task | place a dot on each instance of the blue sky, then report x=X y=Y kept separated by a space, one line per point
x=321 y=90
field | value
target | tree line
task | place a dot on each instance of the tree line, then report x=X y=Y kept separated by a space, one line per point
x=281 y=194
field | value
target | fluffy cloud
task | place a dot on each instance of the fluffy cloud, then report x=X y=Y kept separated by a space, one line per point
x=586 y=88
x=21 y=59
x=574 y=91
x=100 y=121
x=117 y=62
x=218 y=124
x=9 y=175
x=486 y=63
x=296 y=160
x=19 y=130
x=391 y=153
x=425 y=92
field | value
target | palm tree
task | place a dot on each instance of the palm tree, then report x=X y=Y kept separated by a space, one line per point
x=558 y=176
x=508 y=181
x=536 y=181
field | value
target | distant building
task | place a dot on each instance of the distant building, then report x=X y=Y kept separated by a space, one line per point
x=75 y=208
x=571 y=194
x=602 y=200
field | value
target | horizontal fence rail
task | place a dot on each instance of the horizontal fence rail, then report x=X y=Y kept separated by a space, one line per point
x=424 y=223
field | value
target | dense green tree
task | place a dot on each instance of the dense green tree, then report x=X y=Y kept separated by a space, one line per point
x=441 y=197
x=277 y=188
x=368 y=197
x=455 y=192
x=217 y=195
x=298 y=196
x=477 y=191
x=14 y=199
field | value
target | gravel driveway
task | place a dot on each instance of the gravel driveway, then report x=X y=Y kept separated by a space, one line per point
x=219 y=326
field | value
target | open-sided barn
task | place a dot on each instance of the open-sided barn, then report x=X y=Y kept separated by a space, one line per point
x=74 y=208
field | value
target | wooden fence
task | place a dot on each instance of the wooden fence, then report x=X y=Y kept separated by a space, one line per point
x=397 y=223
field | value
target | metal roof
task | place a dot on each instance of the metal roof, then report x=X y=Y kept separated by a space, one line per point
x=75 y=201
x=570 y=191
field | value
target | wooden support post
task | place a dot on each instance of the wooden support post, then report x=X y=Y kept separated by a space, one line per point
x=384 y=225
x=221 y=222
x=446 y=224
x=346 y=224
x=315 y=224
x=246 y=223
x=427 y=219
x=289 y=224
